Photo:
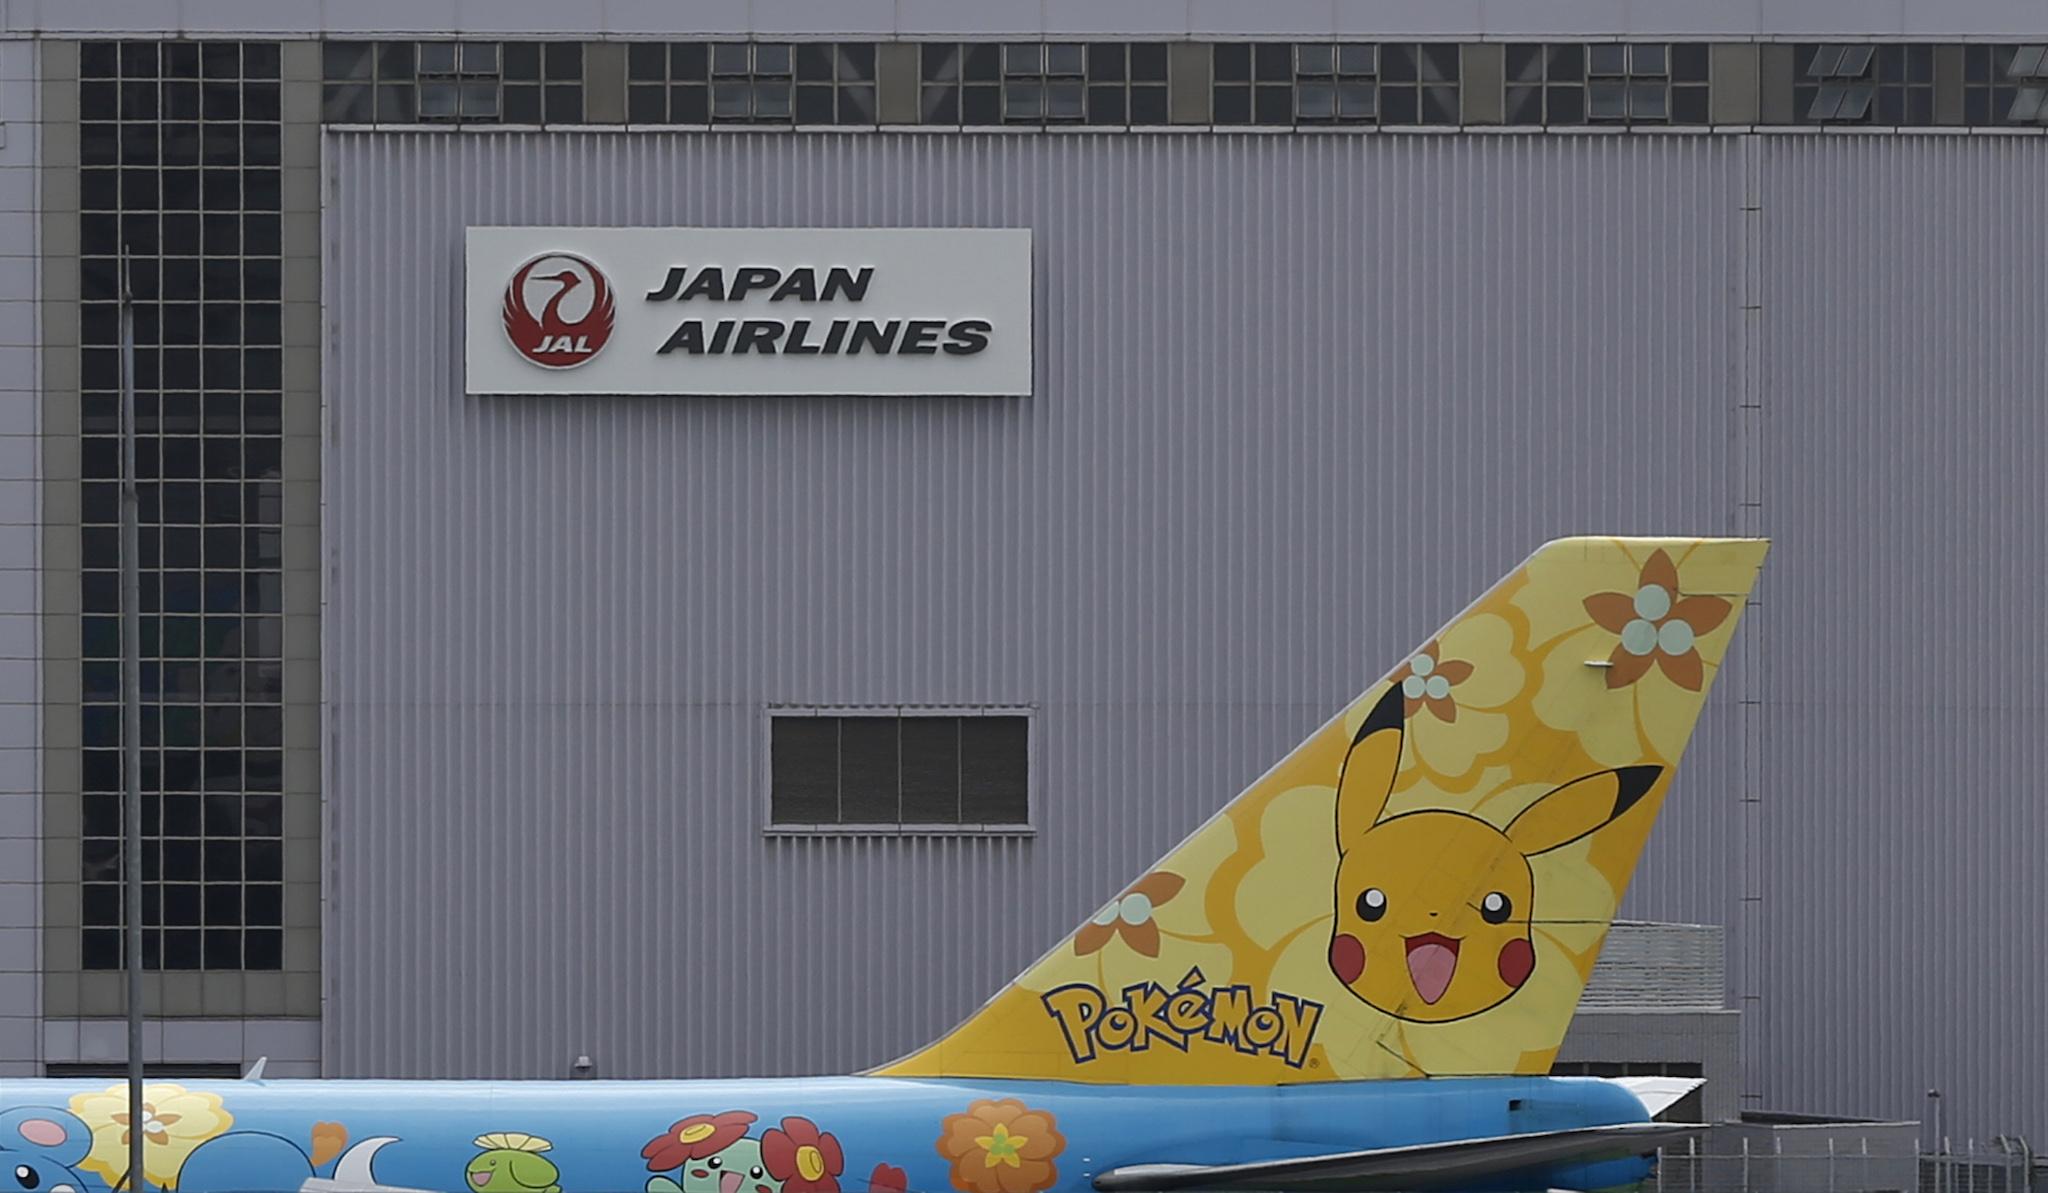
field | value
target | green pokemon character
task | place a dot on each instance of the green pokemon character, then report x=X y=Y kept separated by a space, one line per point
x=512 y=1163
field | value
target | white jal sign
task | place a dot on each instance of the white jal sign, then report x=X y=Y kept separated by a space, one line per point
x=733 y=311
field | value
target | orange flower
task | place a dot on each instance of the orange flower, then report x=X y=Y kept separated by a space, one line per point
x=1002 y=1147
x=1657 y=626
x=1129 y=915
x=1429 y=682
x=329 y=1141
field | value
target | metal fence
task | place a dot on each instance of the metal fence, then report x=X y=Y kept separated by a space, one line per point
x=1833 y=1163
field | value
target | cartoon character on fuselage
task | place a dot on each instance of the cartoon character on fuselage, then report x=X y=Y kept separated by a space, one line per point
x=1433 y=906
x=512 y=1163
x=714 y=1154
x=40 y=1146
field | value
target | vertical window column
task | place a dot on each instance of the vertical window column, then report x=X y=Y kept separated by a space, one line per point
x=180 y=162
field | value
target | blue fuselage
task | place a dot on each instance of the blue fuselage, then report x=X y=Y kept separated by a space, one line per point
x=848 y=1134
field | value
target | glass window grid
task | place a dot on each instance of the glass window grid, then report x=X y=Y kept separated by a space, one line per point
x=696 y=83
x=1858 y=83
x=452 y=82
x=2005 y=85
x=1042 y=84
x=1321 y=83
x=1607 y=83
x=179 y=157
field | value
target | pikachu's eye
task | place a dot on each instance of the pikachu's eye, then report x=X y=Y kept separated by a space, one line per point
x=1496 y=908
x=1372 y=904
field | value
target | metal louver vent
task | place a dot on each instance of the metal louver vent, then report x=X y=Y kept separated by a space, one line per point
x=1658 y=966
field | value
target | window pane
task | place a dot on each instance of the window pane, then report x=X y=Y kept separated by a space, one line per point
x=931 y=770
x=1646 y=101
x=1524 y=64
x=803 y=766
x=1646 y=59
x=814 y=63
x=993 y=770
x=1148 y=104
x=1106 y=104
x=1233 y=63
x=646 y=62
x=1106 y=62
x=437 y=58
x=1609 y=101
x=1567 y=63
x=729 y=58
x=1689 y=62
x=1318 y=101
x=1608 y=59
x=868 y=770
x=1440 y=62
x=1148 y=63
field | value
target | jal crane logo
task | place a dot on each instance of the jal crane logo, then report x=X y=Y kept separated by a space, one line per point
x=559 y=310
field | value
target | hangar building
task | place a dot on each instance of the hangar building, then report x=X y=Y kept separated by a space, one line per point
x=729 y=730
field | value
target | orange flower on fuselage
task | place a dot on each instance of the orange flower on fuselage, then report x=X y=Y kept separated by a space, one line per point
x=1002 y=1147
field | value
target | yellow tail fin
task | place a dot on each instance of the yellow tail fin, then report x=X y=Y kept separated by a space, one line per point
x=1422 y=887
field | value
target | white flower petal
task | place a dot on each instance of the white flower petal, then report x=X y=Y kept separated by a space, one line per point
x=1414 y=686
x=1438 y=687
x=1639 y=637
x=1675 y=637
x=1653 y=602
x=1137 y=908
x=1422 y=664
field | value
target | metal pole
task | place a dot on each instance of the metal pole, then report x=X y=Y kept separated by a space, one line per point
x=131 y=729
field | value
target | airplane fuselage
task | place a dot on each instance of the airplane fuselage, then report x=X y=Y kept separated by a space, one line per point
x=810 y=1135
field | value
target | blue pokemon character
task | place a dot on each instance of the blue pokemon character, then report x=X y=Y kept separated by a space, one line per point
x=39 y=1145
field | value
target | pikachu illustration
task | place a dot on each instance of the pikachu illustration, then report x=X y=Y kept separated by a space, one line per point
x=1433 y=905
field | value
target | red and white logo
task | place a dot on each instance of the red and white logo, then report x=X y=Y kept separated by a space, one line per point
x=559 y=310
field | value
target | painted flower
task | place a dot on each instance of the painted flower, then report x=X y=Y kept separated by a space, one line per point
x=1453 y=704
x=1429 y=682
x=1657 y=626
x=694 y=1138
x=175 y=1121
x=887 y=1178
x=803 y=1158
x=1129 y=915
x=1002 y=1147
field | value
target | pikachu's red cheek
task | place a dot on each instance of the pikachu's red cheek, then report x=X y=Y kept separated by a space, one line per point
x=1347 y=958
x=1517 y=959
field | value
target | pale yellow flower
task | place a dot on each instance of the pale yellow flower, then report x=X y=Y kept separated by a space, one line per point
x=1453 y=691
x=175 y=1121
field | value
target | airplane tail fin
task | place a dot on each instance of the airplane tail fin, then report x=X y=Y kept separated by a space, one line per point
x=1421 y=888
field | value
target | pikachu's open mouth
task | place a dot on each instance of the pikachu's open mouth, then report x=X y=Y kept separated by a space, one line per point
x=1432 y=959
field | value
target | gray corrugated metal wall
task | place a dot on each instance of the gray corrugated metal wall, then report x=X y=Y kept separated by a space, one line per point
x=1299 y=399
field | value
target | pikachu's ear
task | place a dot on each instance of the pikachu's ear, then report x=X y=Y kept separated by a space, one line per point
x=1579 y=807
x=1367 y=779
